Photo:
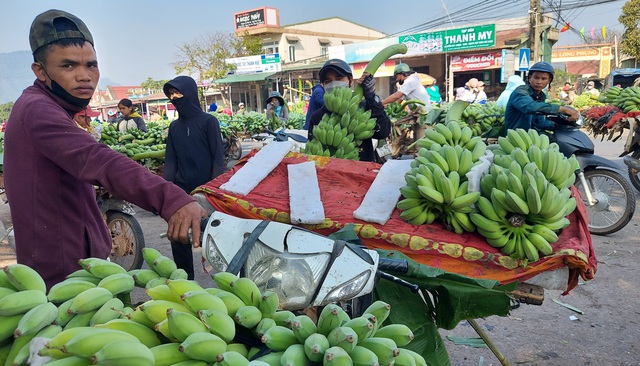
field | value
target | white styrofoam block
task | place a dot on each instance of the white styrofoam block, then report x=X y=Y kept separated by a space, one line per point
x=381 y=198
x=257 y=168
x=304 y=194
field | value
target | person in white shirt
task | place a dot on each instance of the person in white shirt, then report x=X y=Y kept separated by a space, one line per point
x=591 y=88
x=410 y=86
x=481 y=97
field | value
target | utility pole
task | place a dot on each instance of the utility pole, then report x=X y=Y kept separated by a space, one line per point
x=534 y=34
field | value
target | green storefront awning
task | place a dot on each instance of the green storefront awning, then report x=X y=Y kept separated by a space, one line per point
x=243 y=78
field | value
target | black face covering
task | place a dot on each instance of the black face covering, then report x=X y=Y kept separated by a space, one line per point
x=401 y=82
x=59 y=91
x=179 y=103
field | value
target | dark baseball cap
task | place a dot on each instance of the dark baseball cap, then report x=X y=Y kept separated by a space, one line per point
x=43 y=29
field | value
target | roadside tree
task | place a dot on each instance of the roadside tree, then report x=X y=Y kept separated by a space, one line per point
x=630 y=19
x=204 y=58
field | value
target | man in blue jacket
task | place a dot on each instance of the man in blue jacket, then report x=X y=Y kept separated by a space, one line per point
x=316 y=102
x=194 y=153
x=527 y=102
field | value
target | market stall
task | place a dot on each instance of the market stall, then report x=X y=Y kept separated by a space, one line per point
x=343 y=185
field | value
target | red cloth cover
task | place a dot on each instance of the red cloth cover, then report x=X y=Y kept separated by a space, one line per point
x=343 y=185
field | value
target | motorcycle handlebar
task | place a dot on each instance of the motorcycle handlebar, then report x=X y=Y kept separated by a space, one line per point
x=393 y=265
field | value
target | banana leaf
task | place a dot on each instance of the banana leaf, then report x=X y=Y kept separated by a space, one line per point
x=448 y=299
x=433 y=116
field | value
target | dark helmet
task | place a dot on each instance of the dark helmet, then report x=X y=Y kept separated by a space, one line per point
x=401 y=68
x=542 y=67
x=337 y=65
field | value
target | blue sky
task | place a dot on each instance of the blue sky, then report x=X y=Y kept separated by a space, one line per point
x=138 y=39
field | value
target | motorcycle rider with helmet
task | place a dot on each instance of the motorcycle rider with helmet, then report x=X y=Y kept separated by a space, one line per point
x=336 y=73
x=527 y=102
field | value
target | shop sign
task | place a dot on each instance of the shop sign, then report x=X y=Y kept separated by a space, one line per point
x=362 y=51
x=457 y=39
x=478 y=61
x=585 y=54
x=385 y=69
x=255 y=64
x=256 y=18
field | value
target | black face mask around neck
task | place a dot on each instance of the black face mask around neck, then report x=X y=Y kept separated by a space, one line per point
x=59 y=91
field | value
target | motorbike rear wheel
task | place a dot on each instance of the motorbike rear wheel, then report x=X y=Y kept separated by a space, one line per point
x=616 y=201
x=235 y=149
x=634 y=175
x=127 y=240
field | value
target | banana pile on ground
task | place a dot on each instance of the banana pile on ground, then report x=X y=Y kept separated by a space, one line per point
x=437 y=185
x=395 y=111
x=627 y=99
x=525 y=195
x=340 y=133
x=609 y=96
x=136 y=144
x=88 y=319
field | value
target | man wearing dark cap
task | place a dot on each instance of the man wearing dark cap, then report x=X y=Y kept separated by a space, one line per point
x=51 y=165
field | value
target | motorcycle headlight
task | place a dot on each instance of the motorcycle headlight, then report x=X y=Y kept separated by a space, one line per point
x=349 y=290
x=294 y=277
x=211 y=253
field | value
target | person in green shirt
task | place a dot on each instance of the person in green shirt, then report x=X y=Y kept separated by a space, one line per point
x=434 y=92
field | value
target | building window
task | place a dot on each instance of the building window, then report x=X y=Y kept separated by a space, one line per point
x=324 y=45
x=292 y=53
x=269 y=48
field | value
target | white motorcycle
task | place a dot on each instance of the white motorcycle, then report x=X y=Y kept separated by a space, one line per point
x=304 y=268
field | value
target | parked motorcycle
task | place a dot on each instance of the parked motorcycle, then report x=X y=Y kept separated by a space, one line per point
x=632 y=146
x=304 y=268
x=126 y=233
x=232 y=146
x=281 y=135
x=608 y=196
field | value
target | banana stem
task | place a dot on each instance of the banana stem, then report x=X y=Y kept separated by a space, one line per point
x=492 y=346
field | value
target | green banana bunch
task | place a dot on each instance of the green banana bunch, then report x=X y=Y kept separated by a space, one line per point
x=168 y=354
x=248 y=316
x=219 y=323
x=92 y=339
x=197 y=300
x=203 y=346
x=101 y=268
x=21 y=302
x=144 y=334
x=182 y=324
x=36 y=319
x=22 y=277
x=68 y=289
x=118 y=283
x=231 y=301
x=124 y=353
x=90 y=300
x=110 y=310
x=338 y=134
x=628 y=100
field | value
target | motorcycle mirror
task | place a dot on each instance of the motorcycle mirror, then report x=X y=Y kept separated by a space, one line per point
x=297 y=138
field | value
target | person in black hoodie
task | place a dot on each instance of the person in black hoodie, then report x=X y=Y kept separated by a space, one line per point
x=336 y=73
x=194 y=153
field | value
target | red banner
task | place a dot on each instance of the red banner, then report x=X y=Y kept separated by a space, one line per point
x=477 y=61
